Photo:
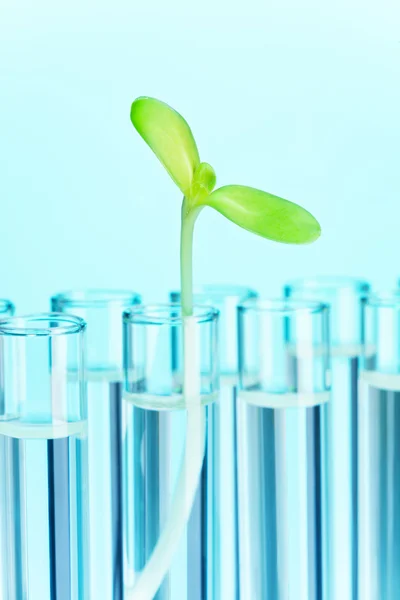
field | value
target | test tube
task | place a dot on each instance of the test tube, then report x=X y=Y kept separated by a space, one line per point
x=43 y=459
x=346 y=297
x=282 y=401
x=379 y=450
x=226 y=545
x=102 y=311
x=171 y=385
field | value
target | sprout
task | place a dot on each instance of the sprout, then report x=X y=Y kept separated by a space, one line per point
x=170 y=137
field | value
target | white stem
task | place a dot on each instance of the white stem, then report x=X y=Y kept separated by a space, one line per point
x=162 y=557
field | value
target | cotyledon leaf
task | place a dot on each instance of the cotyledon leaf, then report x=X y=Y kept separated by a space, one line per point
x=170 y=138
x=264 y=214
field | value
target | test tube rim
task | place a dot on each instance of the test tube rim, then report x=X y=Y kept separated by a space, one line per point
x=151 y=314
x=220 y=291
x=18 y=325
x=330 y=283
x=95 y=298
x=283 y=306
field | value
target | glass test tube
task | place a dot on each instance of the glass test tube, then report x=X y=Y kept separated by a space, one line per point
x=171 y=383
x=43 y=459
x=346 y=297
x=102 y=311
x=379 y=451
x=226 y=549
x=282 y=399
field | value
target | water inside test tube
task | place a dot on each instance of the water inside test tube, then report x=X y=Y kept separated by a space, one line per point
x=43 y=513
x=379 y=486
x=154 y=433
x=282 y=477
x=280 y=465
x=105 y=473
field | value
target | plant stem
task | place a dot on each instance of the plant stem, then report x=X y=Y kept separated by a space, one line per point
x=162 y=557
x=189 y=217
x=191 y=368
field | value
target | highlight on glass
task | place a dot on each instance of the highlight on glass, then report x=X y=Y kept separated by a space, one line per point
x=168 y=493
x=102 y=310
x=346 y=297
x=43 y=458
x=284 y=389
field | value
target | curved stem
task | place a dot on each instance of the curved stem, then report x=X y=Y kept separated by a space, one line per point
x=163 y=554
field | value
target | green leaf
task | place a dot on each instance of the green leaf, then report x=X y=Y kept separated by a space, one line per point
x=264 y=214
x=170 y=138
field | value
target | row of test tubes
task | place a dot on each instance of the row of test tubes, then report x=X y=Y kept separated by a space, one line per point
x=291 y=479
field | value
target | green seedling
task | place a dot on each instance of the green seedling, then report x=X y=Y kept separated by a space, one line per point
x=170 y=138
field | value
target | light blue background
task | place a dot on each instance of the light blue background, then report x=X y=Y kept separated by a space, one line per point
x=298 y=98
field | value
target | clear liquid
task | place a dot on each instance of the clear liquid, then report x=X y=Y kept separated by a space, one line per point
x=340 y=510
x=153 y=447
x=43 y=512
x=340 y=514
x=281 y=490
x=226 y=538
x=105 y=484
x=379 y=486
